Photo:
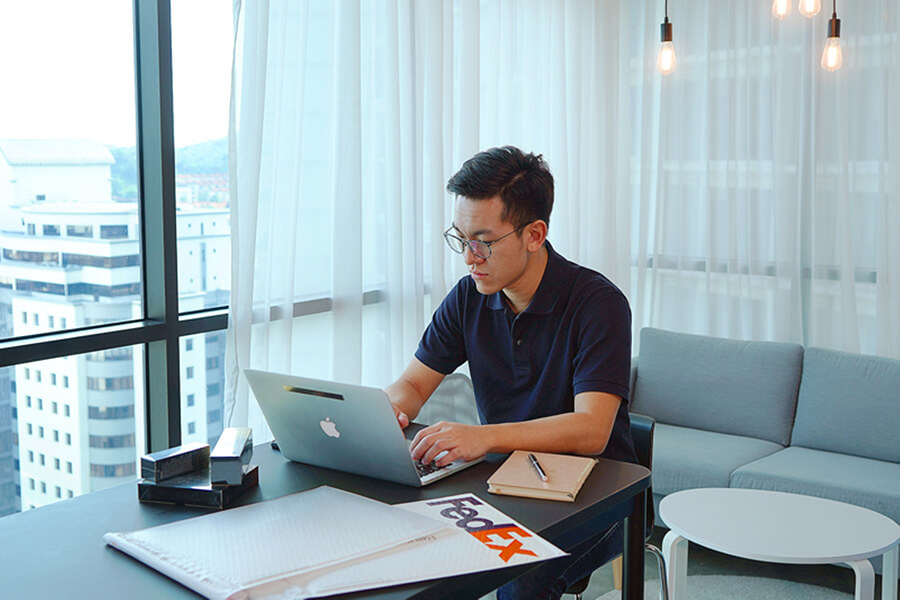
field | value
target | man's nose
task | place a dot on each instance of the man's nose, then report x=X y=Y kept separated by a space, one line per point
x=470 y=258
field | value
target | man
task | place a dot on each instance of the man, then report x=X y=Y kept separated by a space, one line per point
x=548 y=344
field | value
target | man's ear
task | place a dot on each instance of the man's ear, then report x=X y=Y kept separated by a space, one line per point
x=535 y=234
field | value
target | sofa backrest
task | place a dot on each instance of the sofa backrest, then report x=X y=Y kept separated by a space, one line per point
x=849 y=403
x=715 y=384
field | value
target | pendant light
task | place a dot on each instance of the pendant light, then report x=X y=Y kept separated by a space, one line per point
x=832 y=57
x=781 y=8
x=809 y=8
x=665 y=61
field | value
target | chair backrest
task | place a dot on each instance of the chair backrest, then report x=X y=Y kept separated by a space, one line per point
x=642 y=435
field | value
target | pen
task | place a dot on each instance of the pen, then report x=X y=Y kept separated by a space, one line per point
x=537 y=467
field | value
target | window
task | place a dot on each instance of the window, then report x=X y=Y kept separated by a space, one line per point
x=80 y=231
x=89 y=267
x=40 y=401
x=188 y=345
x=28 y=401
x=190 y=373
x=56 y=464
x=40 y=431
x=190 y=399
x=120 y=470
x=111 y=412
x=110 y=383
x=112 y=441
x=42 y=459
x=31 y=456
x=111 y=232
x=55 y=435
x=192 y=428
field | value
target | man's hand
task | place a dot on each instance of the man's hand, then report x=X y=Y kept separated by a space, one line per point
x=402 y=417
x=450 y=441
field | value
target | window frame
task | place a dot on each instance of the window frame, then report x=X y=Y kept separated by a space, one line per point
x=162 y=326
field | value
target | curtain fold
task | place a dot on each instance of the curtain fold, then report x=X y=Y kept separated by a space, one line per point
x=750 y=194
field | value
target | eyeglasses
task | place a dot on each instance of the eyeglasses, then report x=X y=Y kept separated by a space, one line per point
x=477 y=247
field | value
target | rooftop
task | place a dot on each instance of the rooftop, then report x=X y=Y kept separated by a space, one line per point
x=54 y=152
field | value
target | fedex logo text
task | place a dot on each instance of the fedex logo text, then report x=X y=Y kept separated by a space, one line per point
x=490 y=534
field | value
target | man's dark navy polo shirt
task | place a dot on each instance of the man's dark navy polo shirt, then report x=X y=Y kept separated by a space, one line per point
x=574 y=337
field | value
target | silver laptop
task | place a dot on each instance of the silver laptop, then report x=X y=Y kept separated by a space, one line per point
x=341 y=426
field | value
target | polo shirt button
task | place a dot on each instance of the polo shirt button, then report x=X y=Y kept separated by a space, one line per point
x=518 y=342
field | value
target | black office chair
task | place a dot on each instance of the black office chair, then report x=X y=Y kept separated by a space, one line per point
x=642 y=434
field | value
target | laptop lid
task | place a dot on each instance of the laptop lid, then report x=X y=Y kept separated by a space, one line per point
x=339 y=426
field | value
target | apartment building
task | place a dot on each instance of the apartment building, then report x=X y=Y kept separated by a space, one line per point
x=70 y=258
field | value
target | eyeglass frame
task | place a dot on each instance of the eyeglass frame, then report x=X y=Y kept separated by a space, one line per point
x=468 y=243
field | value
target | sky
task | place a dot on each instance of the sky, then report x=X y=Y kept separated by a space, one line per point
x=67 y=70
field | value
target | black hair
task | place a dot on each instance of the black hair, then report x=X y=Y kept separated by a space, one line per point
x=523 y=182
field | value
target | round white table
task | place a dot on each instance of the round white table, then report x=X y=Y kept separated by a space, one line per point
x=782 y=528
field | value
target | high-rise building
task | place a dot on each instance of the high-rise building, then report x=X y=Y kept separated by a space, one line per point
x=70 y=258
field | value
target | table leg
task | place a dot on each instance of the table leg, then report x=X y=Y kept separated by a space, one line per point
x=633 y=551
x=889 y=573
x=865 y=579
x=675 y=549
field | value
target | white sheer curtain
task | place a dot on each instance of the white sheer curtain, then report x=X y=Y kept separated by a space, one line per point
x=766 y=190
x=336 y=209
x=750 y=194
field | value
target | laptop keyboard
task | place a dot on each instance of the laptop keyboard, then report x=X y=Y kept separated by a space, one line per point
x=428 y=469
x=424 y=469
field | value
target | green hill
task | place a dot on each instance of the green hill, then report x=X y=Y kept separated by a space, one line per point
x=205 y=157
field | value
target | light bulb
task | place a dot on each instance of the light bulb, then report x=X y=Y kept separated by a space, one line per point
x=665 y=61
x=809 y=8
x=781 y=8
x=832 y=57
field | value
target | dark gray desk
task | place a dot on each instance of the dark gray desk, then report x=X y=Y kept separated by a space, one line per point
x=58 y=552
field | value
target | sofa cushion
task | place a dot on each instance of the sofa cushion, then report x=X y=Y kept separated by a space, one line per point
x=873 y=484
x=685 y=458
x=714 y=384
x=849 y=403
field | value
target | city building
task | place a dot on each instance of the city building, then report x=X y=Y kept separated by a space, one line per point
x=70 y=258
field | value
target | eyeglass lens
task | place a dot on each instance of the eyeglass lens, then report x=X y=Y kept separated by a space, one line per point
x=458 y=245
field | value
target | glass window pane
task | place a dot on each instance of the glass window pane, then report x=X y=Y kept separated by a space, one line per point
x=201 y=74
x=76 y=439
x=69 y=246
x=202 y=387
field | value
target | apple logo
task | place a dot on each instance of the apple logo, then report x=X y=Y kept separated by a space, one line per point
x=329 y=428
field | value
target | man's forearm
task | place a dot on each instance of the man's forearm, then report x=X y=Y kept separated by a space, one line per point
x=571 y=433
x=406 y=397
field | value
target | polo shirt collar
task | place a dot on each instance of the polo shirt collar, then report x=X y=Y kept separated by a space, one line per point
x=555 y=276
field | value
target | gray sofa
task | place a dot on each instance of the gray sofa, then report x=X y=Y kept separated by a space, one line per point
x=772 y=416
